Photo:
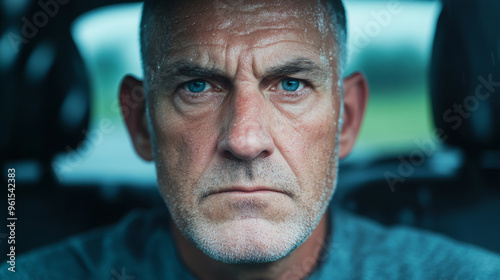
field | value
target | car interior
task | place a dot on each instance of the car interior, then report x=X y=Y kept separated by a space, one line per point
x=55 y=131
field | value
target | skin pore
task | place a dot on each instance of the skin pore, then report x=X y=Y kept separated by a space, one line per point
x=242 y=121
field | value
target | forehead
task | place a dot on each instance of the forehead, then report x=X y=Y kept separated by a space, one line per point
x=193 y=28
x=237 y=16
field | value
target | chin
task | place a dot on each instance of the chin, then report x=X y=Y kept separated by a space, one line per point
x=249 y=240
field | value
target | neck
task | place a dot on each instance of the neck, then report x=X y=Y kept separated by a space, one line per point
x=297 y=265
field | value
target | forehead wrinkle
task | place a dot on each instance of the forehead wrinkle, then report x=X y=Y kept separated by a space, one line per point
x=221 y=5
x=245 y=21
x=246 y=41
x=248 y=32
x=269 y=44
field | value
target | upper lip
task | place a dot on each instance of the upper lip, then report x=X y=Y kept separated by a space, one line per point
x=244 y=189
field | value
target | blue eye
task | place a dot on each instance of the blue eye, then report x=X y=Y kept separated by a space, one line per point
x=196 y=86
x=290 y=84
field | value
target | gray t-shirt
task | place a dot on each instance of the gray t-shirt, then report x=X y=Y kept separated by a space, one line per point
x=141 y=247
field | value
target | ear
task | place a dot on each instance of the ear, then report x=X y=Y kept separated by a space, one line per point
x=133 y=106
x=355 y=99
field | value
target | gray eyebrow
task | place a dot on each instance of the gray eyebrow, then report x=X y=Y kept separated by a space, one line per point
x=185 y=68
x=193 y=70
x=299 y=65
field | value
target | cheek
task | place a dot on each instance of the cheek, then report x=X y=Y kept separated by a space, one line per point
x=308 y=147
x=184 y=149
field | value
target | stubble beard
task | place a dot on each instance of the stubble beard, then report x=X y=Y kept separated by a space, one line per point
x=248 y=240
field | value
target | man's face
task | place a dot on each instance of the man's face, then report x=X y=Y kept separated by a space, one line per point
x=243 y=124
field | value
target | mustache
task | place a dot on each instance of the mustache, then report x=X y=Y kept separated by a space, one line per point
x=258 y=172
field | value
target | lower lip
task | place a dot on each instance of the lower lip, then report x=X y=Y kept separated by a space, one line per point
x=244 y=203
x=258 y=192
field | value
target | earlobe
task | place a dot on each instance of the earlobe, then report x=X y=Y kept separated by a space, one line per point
x=355 y=99
x=133 y=106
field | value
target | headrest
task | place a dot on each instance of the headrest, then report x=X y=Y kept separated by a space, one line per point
x=44 y=88
x=465 y=75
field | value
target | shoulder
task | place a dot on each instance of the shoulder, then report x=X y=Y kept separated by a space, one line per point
x=116 y=250
x=374 y=251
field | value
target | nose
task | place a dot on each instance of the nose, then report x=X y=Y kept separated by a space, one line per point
x=246 y=128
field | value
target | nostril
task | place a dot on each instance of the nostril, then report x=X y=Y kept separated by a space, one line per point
x=229 y=155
